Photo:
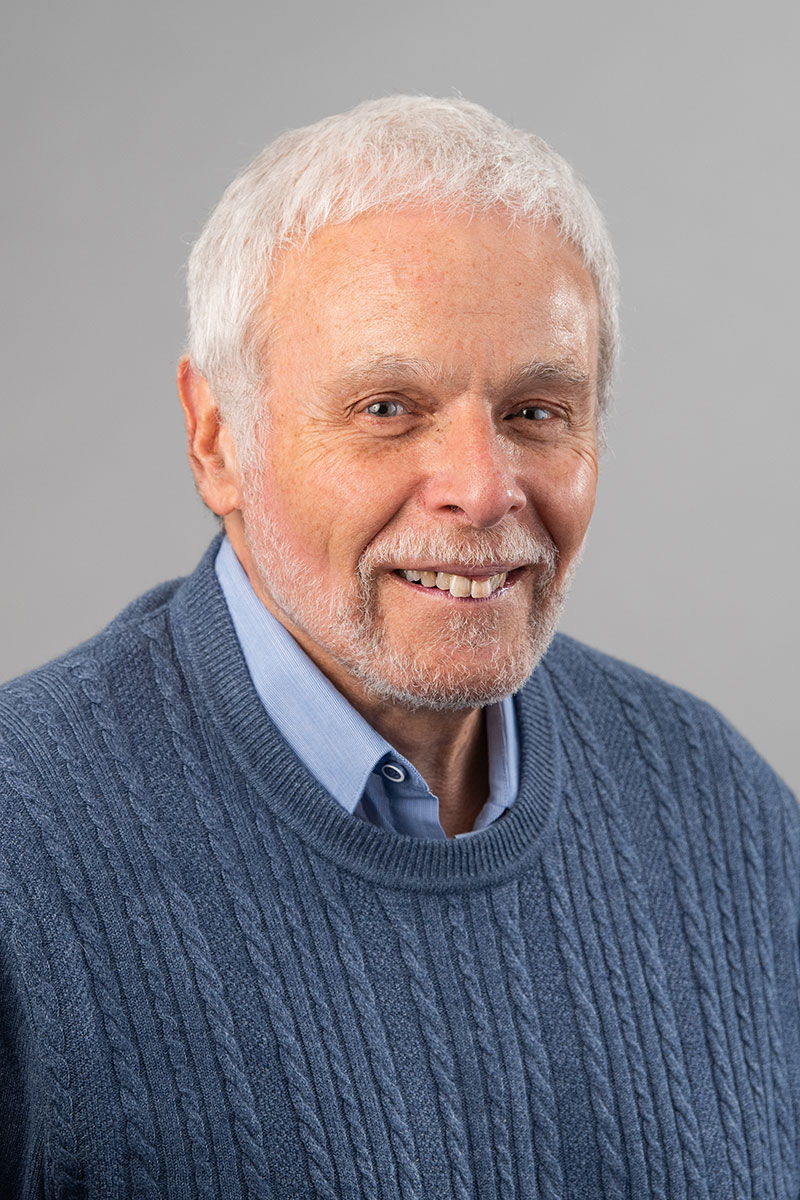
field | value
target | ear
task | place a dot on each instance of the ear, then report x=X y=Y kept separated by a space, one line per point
x=209 y=444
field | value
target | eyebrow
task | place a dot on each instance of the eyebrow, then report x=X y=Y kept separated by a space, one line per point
x=565 y=374
x=383 y=365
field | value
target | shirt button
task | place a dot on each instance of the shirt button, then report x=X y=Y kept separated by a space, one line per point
x=393 y=772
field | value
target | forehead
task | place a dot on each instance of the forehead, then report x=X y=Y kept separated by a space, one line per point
x=465 y=293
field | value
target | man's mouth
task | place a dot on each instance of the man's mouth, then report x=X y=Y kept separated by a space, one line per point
x=476 y=587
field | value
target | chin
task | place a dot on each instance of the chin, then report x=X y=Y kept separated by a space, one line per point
x=443 y=692
x=460 y=678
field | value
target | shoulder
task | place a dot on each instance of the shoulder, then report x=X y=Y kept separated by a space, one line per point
x=118 y=652
x=612 y=690
x=653 y=733
x=598 y=678
x=66 y=727
x=115 y=651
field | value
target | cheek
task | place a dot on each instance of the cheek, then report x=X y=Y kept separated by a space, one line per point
x=328 y=509
x=565 y=501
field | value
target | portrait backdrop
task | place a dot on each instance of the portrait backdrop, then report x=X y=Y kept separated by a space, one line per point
x=124 y=122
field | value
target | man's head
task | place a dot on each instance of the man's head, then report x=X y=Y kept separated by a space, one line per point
x=383 y=155
x=406 y=318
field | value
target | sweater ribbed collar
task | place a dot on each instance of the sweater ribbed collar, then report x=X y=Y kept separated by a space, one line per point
x=224 y=695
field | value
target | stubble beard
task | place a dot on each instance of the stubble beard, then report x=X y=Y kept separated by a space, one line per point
x=483 y=664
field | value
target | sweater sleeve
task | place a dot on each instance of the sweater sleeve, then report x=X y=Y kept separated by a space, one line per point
x=21 y=1126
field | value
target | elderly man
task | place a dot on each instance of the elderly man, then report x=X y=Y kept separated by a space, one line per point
x=321 y=874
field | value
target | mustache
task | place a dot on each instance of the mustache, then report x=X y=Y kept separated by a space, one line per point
x=470 y=547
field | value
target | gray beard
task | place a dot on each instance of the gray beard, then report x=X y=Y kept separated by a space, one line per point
x=351 y=630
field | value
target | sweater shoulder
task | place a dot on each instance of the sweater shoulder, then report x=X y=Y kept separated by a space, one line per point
x=589 y=665
x=55 y=721
x=639 y=717
x=109 y=644
x=600 y=679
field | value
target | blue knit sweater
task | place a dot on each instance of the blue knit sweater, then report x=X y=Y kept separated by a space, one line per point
x=216 y=983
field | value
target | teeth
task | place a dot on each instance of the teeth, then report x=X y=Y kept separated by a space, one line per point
x=460 y=586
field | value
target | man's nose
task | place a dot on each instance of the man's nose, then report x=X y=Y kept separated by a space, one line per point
x=472 y=469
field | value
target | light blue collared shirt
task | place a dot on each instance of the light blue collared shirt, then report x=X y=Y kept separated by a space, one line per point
x=345 y=754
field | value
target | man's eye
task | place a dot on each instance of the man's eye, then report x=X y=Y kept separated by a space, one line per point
x=386 y=408
x=533 y=412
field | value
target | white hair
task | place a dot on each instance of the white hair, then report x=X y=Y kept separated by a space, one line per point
x=382 y=155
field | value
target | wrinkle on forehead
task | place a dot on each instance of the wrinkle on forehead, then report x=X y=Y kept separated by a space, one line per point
x=456 y=305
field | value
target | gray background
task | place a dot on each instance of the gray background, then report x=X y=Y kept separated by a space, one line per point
x=123 y=125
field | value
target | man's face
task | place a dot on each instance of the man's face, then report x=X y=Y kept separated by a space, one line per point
x=429 y=461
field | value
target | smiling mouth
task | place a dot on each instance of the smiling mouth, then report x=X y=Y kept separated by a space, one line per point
x=461 y=586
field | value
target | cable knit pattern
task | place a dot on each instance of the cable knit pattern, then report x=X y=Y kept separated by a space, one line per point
x=534 y=1053
x=736 y=977
x=593 y=1048
x=209 y=985
x=141 y=1161
x=64 y=1166
x=655 y=1186
x=650 y=963
x=695 y=929
x=440 y=1058
x=217 y=983
x=754 y=858
x=489 y=1050
x=292 y=909
x=171 y=1032
x=380 y=1060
